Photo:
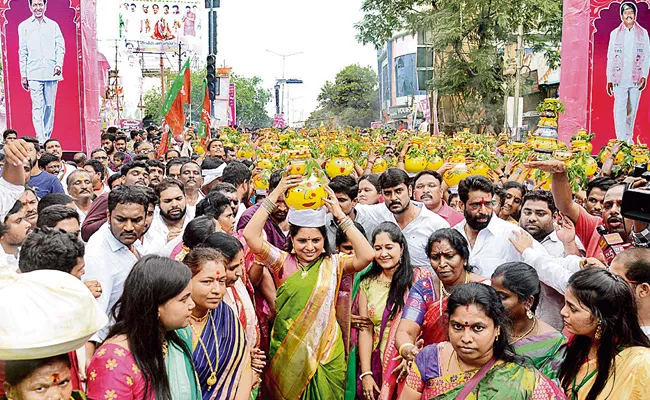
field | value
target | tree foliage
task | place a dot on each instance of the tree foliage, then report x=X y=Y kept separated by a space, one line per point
x=352 y=99
x=152 y=99
x=252 y=99
x=468 y=38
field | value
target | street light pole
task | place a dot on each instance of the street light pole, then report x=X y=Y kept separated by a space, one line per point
x=518 y=59
x=284 y=59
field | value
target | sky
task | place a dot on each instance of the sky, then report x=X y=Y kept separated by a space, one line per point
x=322 y=30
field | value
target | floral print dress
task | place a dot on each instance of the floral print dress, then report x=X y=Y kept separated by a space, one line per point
x=377 y=294
x=114 y=375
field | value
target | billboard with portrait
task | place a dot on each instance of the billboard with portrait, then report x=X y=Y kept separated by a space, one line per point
x=608 y=40
x=42 y=69
x=621 y=56
x=159 y=25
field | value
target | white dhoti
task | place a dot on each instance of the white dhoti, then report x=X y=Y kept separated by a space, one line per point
x=626 y=104
x=43 y=95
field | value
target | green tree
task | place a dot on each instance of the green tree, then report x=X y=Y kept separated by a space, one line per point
x=351 y=100
x=251 y=99
x=251 y=102
x=468 y=38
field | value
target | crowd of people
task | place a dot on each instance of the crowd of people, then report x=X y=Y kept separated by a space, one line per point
x=399 y=287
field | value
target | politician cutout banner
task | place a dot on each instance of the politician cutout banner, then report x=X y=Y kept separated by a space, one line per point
x=42 y=69
x=621 y=60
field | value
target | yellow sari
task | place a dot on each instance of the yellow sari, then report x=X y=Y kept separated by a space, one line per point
x=630 y=380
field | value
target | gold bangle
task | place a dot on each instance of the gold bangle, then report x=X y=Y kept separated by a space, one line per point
x=401 y=348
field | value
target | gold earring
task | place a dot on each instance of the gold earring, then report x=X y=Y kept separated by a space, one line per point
x=599 y=332
x=530 y=314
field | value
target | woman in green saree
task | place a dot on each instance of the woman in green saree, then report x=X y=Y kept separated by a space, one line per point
x=518 y=285
x=306 y=350
x=478 y=362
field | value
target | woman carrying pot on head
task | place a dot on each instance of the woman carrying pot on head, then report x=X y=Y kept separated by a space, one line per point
x=307 y=354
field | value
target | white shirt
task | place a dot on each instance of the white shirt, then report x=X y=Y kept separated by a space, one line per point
x=109 y=261
x=553 y=271
x=555 y=247
x=646 y=330
x=82 y=215
x=8 y=260
x=65 y=173
x=629 y=50
x=155 y=239
x=416 y=233
x=41 y=48
x=240 y=211
x=492 y=247
x=190 y=210
x=9 y=193
x=551 y=301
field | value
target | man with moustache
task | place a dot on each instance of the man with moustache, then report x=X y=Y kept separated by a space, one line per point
x=133 y=173
x=628 y=62
x=595 y=194
x=80 y=188
x=427 y=189
x=415 y=220
x=111 y=252
x=585 y=223
x=171 y=220
x=156 y=172
x=192 y=180
x=30 y=202
x=486 y=233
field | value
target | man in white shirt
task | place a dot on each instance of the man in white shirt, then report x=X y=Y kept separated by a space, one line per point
x=192 y=181
x=537 y=212
x=80 y=188
x=110 y=252
x=415 y=220
x=13 y=231
x=171 y=219
x=41 y=51
x=628 y=60
x=486 y=234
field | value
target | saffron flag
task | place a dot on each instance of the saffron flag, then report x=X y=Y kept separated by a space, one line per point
x=204 y=124
x=172 y=109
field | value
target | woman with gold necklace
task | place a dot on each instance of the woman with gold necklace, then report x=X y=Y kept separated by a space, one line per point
x=519 y=288
x=220 y=353
x=383 y=291
x=307 y=354
x=424 y=309
x=478 y=361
